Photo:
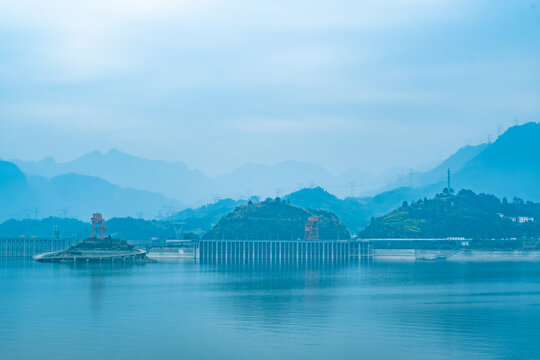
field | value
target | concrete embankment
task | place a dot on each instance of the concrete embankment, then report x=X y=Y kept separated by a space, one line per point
x=454 y=255
x=477 y=255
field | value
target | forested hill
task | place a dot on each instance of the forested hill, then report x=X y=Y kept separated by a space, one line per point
x=124 y=228
x=275 y=219
x=355 y=212
x=466 y=214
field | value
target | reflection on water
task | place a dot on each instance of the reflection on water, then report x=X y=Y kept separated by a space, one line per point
x=268 y=311
x=97 y=274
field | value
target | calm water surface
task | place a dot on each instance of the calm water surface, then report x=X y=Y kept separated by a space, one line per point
x=192 y=311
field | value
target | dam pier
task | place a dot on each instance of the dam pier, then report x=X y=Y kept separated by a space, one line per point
x=217 y=251
x=247 y=251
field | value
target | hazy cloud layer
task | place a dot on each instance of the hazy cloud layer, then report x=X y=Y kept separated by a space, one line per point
x=365 y=84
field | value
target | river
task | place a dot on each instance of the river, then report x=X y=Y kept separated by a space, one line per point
x=415 y=310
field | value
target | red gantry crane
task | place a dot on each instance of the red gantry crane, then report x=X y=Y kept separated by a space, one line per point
x=98 y=226
x=312 y=229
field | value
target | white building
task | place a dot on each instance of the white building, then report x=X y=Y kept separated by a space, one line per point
x=522 y=219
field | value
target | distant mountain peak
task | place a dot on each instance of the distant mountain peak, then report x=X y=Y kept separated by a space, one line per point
x=11 y=175
x=316 y=191
x=509 y=166
x=115 y=151
x=93 y=153
x=47 y=160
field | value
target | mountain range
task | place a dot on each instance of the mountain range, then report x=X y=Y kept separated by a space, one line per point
x=119 y=184
x=172 y=179
x=192 y=187
x=509 y=167
x=72 y=195
x=356 y=213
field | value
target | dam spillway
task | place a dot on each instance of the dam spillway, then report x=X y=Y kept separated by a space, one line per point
x=217 y=251
x=261 y=251
x=329 y=251
x=30 y=246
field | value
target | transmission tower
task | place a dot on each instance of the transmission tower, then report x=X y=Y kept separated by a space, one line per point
x=178 y=230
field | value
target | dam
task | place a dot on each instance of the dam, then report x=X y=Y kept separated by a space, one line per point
x=320 y=251
x=328 y=251
x=270 y=251
x=30 y=246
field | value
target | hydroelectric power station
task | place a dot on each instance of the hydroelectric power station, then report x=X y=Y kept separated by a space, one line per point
x=269 y=251
x=310 y=249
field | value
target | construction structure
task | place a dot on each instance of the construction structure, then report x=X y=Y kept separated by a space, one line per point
x=312 y=229
x=27 y=246
x=280 y=251
x=98 y=226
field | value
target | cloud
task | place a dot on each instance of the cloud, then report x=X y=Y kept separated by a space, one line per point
x=82 y=40
x=245 y=74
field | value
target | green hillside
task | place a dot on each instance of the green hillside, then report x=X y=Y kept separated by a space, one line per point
x=355 y=212
x=202 y=219
x=275 y=219
x=466 y=214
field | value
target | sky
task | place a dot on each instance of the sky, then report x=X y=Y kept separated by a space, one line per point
x=370 y=85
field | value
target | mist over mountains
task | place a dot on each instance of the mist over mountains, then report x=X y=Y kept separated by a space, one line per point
x=120 y=184
x=72 y=195
x=509 y=167
x=172 y=179
x=438 y=175
x=15 y=191
x=192 y=187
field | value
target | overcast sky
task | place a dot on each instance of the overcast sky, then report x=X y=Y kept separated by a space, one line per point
x=342 y=83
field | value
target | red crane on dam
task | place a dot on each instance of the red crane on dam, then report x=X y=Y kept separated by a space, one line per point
x=98 y=226
x=312 y=229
